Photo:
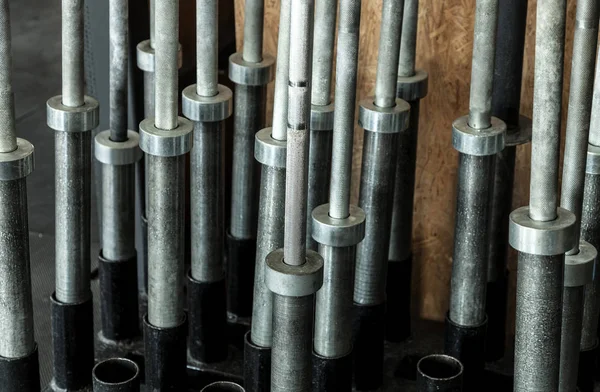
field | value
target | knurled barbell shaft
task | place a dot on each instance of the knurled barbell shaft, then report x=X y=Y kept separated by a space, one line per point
x=298 y=136
x=345 y=103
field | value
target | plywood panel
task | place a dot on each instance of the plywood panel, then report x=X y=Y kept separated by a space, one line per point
x=444 y=50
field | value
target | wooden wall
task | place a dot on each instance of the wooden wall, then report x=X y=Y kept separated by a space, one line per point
x=444 y=50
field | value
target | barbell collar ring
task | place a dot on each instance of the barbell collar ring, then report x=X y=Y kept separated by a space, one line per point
x=321 y=117
x=207 y=109
x=294 y=281
x=579 y=268
x=145 y=56
x=413 y=88
x=521 y=135
x=592 y=165
x=541 y=238
x=338 y=232
x=251 y=74
x=478 y=142
x=18 y=163
x=269 y=151
x=117 y=153
x=163 y=143
x=383 y=120
x=72 y=119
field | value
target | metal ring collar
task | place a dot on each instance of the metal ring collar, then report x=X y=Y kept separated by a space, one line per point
x=384 y=120
x=338 y=232
x=117 y=153
x=145 y=56
x=251 y=74
x=18 y=163
x=478 y=142
x=163 y=143
x=269 y=151
x=294 y=281
x=541 y=238
x=207 y=109
x=72 y=119
x=412 y=88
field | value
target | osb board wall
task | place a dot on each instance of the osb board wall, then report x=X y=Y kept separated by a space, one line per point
x=444 y=50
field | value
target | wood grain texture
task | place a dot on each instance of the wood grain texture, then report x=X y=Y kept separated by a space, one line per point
x=444 y=50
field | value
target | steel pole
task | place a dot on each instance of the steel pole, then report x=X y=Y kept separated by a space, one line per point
x=412 y=87
x=73 y=116
x=118 y=150
x=322 y=110
x=337 y=227
x=506 y=100
x=590 y=232
x=145 y=58
x=579 y=261
x=208 y=104
x=270 y=152
x=19 y=367
x=542 y=232
x=384 y=118
x=165 y=139
x=251 y=71
x=294 y=273
x=477 y=137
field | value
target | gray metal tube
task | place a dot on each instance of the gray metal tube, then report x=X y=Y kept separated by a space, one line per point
x=207 y=47
x=345 y=106
x=298 y=140
x=72 y=53
x=325 y=16
x=8 y=140
x=292 y=346
x=469 y=266
x=166 y=64
x=578 y=119
x=253 y=30
x=590 y=232
x=166 y=202
x=270 y=238
x=249 y=118
x=116 y=375
x=118 y=212
x=501 y=207
x=572 y=315
x=333 y=312
x=376 y=198
x=482 y=66
x=16 y=308
x=318 y=178
x=207 y=201
x=72 y=181
x=538 y=322
x=404 y=190
x=547 y=102
x=280 y=96
x=389 y=51
x=408 y=43
x=149 y=93
x=151 y=6
x=119 y=68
